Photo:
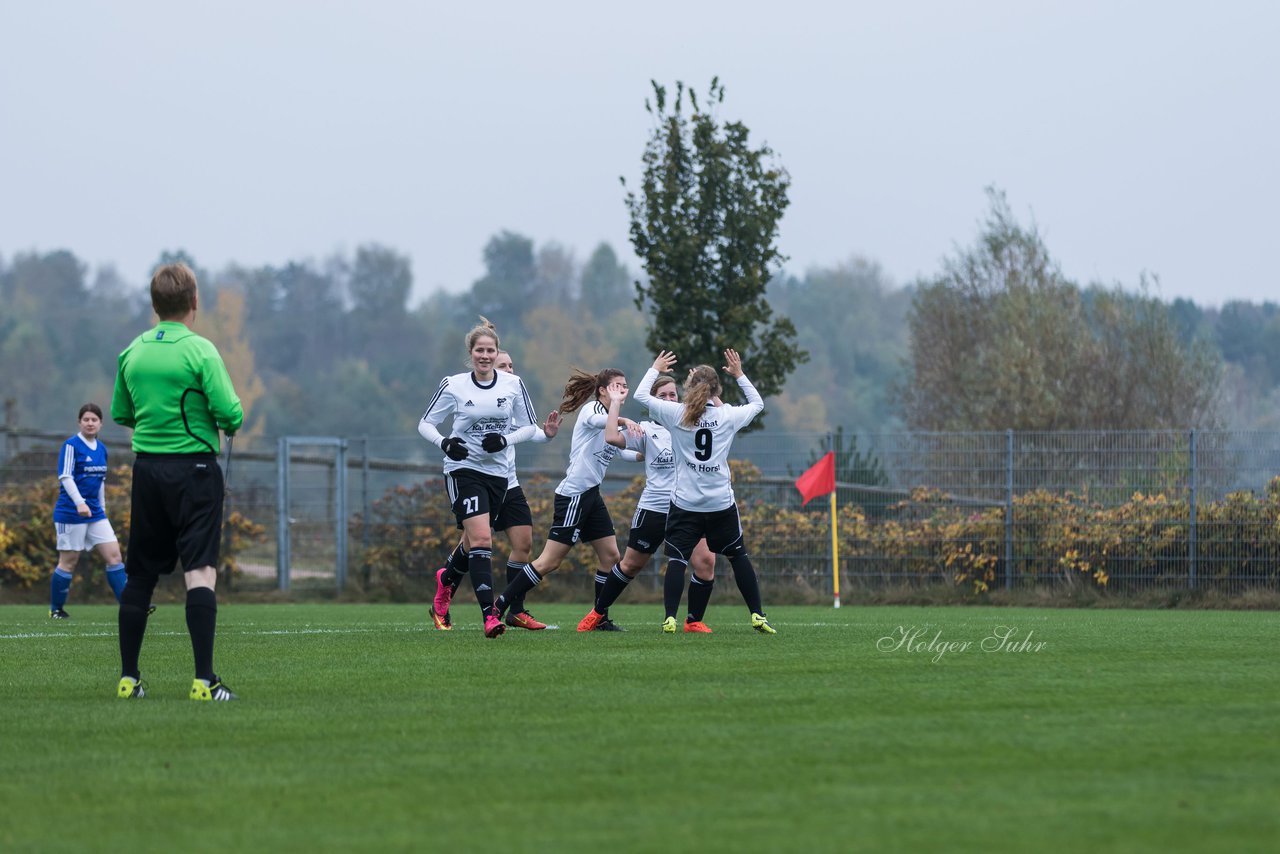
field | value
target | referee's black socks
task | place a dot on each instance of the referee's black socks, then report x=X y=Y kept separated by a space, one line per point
x=135 y=599
x=202 y=621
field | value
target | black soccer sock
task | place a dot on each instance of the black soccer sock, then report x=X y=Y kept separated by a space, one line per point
x=699 y=597
x=601 y=581
x=480 y=567
x=135 y=599
x=613 y=587
x=519 y=586
x=514 y=569
x=202 y=621
x=673 y=587
x=456 y=568
x=745 y=575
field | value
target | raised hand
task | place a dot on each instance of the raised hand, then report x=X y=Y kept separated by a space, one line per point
x=664 y=362
x=733 y=363
x=552 y=425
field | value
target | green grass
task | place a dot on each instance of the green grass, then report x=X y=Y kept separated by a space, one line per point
x=362 y=729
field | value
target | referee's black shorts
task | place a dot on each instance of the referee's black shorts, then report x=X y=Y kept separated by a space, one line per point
x=722 y=528
x=175 y=513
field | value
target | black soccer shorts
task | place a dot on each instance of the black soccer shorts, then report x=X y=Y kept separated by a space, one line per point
x=581 y=518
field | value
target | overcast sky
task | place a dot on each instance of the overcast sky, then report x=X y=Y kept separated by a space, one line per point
x=1138 y=135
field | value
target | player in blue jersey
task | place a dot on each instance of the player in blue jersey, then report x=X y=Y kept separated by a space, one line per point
x=702 y=502
x=80 y=514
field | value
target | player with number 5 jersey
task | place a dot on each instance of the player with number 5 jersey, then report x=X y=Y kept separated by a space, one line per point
x=702 y=502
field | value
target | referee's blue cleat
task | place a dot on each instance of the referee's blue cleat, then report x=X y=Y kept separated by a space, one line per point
x=131 y=689
x=59 y=614
x=215 y=690
x=761 y=625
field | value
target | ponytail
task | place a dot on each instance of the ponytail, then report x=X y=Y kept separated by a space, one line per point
x=702 y=385
x=583 y=387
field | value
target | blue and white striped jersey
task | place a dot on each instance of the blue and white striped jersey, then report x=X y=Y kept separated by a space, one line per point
x=87 y=465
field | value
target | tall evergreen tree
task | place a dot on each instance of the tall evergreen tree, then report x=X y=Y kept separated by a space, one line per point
x=705 y=224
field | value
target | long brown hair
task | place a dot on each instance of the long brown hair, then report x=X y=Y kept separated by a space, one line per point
x=583 y=386
x=702 y=385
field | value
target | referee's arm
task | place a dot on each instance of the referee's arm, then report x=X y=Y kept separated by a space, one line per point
x=224 y=404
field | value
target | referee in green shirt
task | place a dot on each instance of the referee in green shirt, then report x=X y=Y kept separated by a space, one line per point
x=173 y=390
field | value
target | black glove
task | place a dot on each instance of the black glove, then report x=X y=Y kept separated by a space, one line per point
x=454 y=448
x=493 y=442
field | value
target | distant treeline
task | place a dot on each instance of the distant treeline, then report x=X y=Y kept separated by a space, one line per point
x=335 y=347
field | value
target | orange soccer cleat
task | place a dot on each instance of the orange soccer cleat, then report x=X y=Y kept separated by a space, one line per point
x=696 y=627
x=591 y=622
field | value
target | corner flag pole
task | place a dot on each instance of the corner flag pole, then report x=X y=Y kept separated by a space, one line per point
x=835 y=552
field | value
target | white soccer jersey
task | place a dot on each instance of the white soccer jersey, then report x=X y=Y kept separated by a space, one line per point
x=659 y=465
x=589 y=453
x=499 y=406
x=703 y=483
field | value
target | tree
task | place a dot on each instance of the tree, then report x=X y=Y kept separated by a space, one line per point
x=508 y=286
x=705 y=224
x=223 y=324
x=606 y=284
x=1002 y=340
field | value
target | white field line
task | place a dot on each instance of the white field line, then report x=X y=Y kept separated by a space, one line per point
x=382 y=627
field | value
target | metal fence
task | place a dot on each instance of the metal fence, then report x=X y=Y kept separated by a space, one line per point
x=1123 y=511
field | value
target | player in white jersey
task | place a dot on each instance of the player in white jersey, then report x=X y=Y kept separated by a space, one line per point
x=649 y=523
x=580 y=511
x=80 y=513
x=702 y=502
x=514 y=518
x=491 y=411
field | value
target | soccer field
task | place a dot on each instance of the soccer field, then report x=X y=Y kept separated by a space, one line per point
x=862 y=729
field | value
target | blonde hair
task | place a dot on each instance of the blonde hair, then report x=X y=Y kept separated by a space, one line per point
x=583 y=386
x=702 y=385
x=173 y=291
x=484 y=329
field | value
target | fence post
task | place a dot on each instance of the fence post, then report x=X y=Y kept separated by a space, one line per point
x=1008 y=509
x=340 y=515
x=282 y=513
x=364 y=494
x=1192 y=544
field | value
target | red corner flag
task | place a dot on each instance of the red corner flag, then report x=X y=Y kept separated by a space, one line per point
x=820 y=479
